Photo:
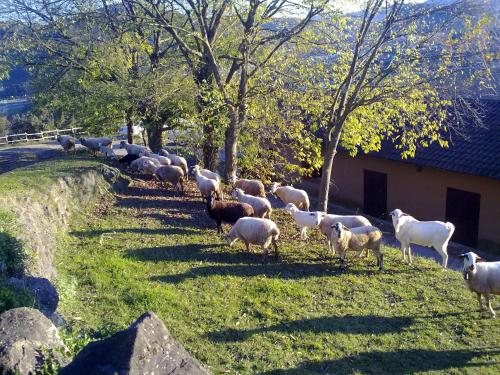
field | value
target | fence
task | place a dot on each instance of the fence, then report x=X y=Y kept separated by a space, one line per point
x=48 y=134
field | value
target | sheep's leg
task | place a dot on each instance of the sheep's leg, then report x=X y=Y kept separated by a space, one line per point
x=219 y=227
x=342 y=260
x=488 y=303
x=303 y=233
x=403 y=250
x=481 y=307
x=265 y=255
x=444 y=255
x=247 y=245
x=409 y=253
x=275 y=247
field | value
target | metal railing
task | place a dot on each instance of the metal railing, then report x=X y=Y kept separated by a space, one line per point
x=34 y=137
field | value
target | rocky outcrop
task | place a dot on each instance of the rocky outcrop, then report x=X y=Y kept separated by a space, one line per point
x=146 y=347
x=27 y=340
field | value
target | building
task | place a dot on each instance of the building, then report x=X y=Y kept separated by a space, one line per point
x=460 y=184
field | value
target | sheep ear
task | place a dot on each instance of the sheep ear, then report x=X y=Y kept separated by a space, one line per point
x=464 y=255
x=479 y=259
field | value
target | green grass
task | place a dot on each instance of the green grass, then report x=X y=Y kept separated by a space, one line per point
x=150 y=250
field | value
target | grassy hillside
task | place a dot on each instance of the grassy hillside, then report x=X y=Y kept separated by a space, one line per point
x=151 y=250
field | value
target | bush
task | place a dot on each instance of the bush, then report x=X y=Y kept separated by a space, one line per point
x=10 y=299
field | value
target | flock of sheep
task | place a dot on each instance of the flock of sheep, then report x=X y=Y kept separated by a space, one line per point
x=250 y=214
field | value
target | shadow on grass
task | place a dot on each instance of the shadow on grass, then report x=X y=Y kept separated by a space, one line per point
x=192 y=253
x=147 y=231
x=398 y=362
x=274 y=268
x=369 y=324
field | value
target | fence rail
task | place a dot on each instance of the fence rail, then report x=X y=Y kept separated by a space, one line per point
x=33 y=137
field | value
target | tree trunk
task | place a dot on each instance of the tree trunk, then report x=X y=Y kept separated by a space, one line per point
x=231 y=142
x=130 y=124
x=210 y=151
x=331 y=150
x=155 y=136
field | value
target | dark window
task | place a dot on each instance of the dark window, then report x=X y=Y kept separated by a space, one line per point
x=462 y=209
x=375 y=193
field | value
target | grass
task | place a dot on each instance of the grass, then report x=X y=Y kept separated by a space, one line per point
x=151 y=250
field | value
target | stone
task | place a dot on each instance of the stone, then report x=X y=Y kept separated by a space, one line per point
x=27 y=340
x=41 y=289
x=146 y=347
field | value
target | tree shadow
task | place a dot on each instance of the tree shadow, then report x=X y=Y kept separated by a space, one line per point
x=146 y=231
x=192 y=253
x=358 y=325
x=408 y=361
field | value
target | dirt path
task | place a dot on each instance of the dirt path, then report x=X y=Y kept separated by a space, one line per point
x=12 y=157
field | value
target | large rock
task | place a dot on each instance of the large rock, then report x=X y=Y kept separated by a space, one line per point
x=146 y=347
x=43 y=292
x=27 y=339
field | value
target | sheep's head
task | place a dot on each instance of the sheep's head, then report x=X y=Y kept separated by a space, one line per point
x=318 y=216
x=470 y=260
x=274 y=187
x=396 y=216
x=236 y=193
x=290 y=207
x=231 y=238
x=339 y=229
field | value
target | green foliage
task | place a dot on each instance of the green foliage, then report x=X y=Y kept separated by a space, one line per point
x=12 y=255
x=10 y=299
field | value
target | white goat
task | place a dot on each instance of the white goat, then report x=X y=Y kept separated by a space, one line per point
x=134 y=149
x=261 y=206
x=289 y=194
x=304 y=219
x=481 y=277
x=434 y=234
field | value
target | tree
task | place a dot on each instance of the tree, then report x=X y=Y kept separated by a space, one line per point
x=254 y=31
x=393 y=70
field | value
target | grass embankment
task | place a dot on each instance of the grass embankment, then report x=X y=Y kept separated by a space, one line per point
x=151 y=250
x=29 y=198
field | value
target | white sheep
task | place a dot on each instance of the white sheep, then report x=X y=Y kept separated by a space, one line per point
x=252 y=187
x=261 y=206
x=107 y=151
x=93 y=144
x=304 y=219
x=289 y=194
x=257 y=231
x=208 y=173
x=350 y=221
x=67 y=142
x=145 y=165
x=358 y=239
x=162 y=159
x=176 y=160
x=134 y=149
x=434 y=234
x=206 y=185
x=481 y=277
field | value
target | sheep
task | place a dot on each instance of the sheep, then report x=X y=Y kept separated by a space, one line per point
x=93 y=144
x=289 y=194
x=252 y=187
x=304 y=219
x=228 y=212
x=257 y=231
x=162 y=159
x=434 y=234
x=481 y=277
x=360 y=238
x=145 y=165
x=206 y=185
x=129 y=158
x=134 y=149
x=67 y=142
x=171 y=174
x=207 y=173
x=107 y=151
x=350 y=221
x=261 y=206
x=175 y=159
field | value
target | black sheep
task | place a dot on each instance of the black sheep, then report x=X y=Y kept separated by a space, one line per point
x=129 y=158
x=228 y=211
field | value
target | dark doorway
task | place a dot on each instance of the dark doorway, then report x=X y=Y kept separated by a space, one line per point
x=462 y=209
x=375 y=193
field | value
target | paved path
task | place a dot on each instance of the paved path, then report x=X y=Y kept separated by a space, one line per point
x=12 y=157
